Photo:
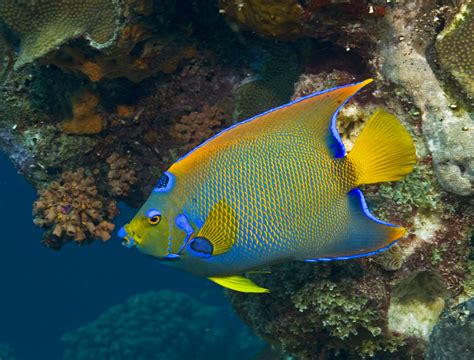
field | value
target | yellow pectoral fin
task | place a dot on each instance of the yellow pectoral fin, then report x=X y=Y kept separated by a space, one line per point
x=239 y=283
x=220 y=228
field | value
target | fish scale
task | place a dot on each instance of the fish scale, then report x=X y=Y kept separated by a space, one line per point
x=274 y=188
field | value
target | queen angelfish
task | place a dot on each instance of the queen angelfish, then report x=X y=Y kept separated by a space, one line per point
x=275 y=188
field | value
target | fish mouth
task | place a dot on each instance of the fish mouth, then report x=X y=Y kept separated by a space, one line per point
x=127 y=240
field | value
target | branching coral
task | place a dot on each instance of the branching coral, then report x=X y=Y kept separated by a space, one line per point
x=85 y=118
x=455 y=50
x=45 y=25
x=120 y=176
x=193 y=129
x=161 y=325
x=73 y=209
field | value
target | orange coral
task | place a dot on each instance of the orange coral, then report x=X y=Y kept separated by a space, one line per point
x=193 y=129
x=85 y=119
x=73 y=209
x=120 y=176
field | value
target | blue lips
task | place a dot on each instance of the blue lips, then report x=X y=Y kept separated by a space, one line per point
x=128 y=241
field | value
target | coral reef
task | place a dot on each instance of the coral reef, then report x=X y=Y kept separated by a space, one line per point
x=72 y=209
x=120 y=177
x=195 y=128
x=85 y=118
x=73 y=101
x=7 y=352
x=454 y=48
x=161 y=325
x=452 y=336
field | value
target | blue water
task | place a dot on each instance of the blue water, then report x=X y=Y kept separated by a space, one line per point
x=45 y=293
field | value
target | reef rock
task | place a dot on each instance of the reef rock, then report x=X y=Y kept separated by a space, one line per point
x=447 y=127
x=452 y=336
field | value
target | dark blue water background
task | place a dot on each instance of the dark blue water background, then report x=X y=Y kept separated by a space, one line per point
x=44 y=293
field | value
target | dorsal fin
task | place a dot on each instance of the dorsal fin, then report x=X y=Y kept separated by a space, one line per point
x=316 y=112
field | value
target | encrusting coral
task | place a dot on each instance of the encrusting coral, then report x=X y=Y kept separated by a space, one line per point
x=73 y=210
x=162 y=325
x=120 y=177
x=85 y=118
x=196 y=127
x=455 y=48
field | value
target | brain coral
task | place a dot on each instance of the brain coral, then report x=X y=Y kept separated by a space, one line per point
x=455 y=48
x=162 y=325
x=44 y=25
x=73 y=209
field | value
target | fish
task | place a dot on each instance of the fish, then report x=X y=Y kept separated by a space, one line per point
x=277 y=187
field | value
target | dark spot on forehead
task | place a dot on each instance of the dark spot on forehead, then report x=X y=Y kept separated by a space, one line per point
x=163 y=181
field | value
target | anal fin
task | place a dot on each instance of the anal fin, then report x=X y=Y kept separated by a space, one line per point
x=239 y=283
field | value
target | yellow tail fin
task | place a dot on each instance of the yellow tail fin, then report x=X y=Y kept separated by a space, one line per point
x=384 y=151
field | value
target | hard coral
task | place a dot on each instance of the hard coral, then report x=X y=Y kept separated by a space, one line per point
x=455 y=50
x=72 y=209
x=193 y=129
x=86 y=120
x=280 y=18
x=162 y=325
x=45 y=25
x=120 y=176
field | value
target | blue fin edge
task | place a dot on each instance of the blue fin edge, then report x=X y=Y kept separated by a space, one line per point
x=357 y=192
x=338 y=150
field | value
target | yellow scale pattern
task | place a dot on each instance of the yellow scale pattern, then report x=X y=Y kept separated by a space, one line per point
x=289 y=194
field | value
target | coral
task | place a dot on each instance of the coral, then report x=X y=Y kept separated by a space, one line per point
x=455 y=50
x=85 y=118
x=73 y=209
x=45 y=25
x=120 y=176
x=452 y=336
x=161 y=325
x=447 y=129
x=114 y=44
x=193 y=129
x=338 y=309
x=280 y=18
x=7 y=352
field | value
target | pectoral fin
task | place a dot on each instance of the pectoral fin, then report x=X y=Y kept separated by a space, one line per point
x=220 y=229
x=239 y=283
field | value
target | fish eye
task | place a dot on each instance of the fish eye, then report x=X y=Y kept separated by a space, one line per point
x=153 y=216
